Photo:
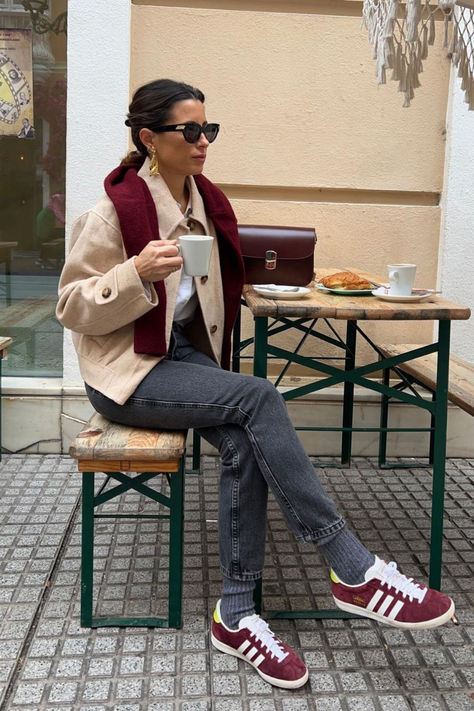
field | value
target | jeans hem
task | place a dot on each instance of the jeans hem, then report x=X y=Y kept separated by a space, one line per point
x=247 y=575
x=322 y=533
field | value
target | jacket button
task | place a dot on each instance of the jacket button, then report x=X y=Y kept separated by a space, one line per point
x=191 y=225
x=106 y=292
x=204 y=279
x=213 y=329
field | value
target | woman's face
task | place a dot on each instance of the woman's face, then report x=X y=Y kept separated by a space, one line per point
x=175 y=155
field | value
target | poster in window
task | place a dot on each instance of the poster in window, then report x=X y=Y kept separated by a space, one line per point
x=16 y=81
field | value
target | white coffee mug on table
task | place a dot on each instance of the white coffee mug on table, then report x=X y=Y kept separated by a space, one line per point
x=401 y=278
x=196 y=253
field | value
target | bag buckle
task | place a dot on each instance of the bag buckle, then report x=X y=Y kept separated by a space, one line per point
x=270 y=259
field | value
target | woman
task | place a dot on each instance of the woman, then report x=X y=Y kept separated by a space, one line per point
x=153 y=347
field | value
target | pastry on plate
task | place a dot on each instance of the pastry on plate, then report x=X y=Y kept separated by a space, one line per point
x=345 y=281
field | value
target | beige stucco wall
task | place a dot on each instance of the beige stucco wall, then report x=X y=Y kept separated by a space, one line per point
x=307 y=137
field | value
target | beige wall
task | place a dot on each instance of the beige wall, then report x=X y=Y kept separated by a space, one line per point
x=307 y=137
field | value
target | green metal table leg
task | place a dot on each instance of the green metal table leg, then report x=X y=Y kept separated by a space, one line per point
x=439 y=454
x=87 y=562
x=257 y=596
x=348 y=406
x=176 y=547
x=384 y=420
x=236 y=336
x=196 y=452
x=260 y=346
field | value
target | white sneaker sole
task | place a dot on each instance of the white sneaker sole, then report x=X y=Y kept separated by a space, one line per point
x=281 y=683
x=428 y=624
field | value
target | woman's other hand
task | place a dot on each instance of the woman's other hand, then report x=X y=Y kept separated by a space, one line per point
x=158 y=260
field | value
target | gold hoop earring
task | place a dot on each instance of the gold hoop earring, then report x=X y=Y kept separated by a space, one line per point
x=154 y=167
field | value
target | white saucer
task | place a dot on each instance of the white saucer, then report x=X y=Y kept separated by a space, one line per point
x=274 y=291
x=383 y=293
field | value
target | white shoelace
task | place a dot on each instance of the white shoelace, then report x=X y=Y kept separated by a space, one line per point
x=262 y=632
x=391 y=577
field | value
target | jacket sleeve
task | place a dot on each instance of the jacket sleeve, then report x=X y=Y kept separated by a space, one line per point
x=100 y=290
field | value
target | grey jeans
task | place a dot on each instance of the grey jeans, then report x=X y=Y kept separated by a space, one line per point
x=246 y=419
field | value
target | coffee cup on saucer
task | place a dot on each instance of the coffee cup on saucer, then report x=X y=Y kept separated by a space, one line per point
x=401 y=278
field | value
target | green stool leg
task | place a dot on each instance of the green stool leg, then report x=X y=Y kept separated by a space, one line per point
x=176 y=547
x=87 y=562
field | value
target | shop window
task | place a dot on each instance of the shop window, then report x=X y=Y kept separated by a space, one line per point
x=32 y=187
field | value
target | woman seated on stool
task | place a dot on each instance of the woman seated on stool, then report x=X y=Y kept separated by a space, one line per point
x=154 y=350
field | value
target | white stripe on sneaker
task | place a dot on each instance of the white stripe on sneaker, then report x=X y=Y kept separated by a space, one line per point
x=251 y=653
x=258 y=660
x=385 y=605
x=245 y=645
x=374 y=600
x=395 y=610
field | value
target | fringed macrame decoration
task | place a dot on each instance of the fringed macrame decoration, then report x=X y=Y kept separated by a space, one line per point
x=461 y=47
x=401 y=32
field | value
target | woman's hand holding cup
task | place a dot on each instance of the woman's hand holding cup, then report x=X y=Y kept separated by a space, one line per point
x=158 y=260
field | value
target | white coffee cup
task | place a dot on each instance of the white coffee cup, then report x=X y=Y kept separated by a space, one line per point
x=196 y=253
x=401 y=278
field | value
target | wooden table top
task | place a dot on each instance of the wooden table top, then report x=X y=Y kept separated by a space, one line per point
x=319 y=304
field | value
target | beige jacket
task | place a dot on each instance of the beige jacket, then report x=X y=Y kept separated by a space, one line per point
x=101 y=294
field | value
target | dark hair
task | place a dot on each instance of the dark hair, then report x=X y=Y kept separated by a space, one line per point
x=151 y=107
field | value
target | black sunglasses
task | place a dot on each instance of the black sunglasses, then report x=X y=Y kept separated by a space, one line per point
x=192 y=130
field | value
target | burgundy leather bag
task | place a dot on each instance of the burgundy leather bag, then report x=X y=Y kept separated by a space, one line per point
x=278 y=255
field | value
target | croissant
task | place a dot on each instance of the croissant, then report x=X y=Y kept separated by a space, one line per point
x=345 y=280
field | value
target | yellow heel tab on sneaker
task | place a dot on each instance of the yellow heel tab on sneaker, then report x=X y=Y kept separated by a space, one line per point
x=216 y=617
x=334 y=577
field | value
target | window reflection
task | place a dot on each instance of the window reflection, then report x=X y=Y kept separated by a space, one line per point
x=32 y=192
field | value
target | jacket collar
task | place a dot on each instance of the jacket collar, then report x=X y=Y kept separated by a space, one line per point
x=170 y=214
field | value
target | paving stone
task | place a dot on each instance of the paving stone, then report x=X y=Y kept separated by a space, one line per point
x=129 y=688
x=28 y=693
x=356 y=703
x=424 y=702
x=163 y=686
x=101 y=667
x=96 y=690
x=321 y=682
x=228 y=705
x=195 y=706
x=194 y=685
x=226 y=685
x=328 y=703
x=394 y=703
x=63 y=691
x=459 y=701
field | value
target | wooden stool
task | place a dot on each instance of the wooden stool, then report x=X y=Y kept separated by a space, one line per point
x=131 y=457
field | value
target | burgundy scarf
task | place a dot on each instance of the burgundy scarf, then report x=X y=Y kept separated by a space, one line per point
x=138 y=220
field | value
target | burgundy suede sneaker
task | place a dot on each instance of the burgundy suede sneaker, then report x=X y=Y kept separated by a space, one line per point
x=255 y=643
x=392 y=598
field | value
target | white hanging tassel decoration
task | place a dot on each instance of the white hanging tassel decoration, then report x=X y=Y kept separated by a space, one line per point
x=413 y=18
x=402 y=32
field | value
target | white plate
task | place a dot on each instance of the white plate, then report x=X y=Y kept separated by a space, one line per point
x=345 y=292
x=272 y=291
x=382 y=293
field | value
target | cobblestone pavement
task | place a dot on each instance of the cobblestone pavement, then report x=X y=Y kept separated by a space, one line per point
x=47 y=661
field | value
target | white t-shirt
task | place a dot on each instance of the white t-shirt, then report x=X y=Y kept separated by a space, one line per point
x=186 y=301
